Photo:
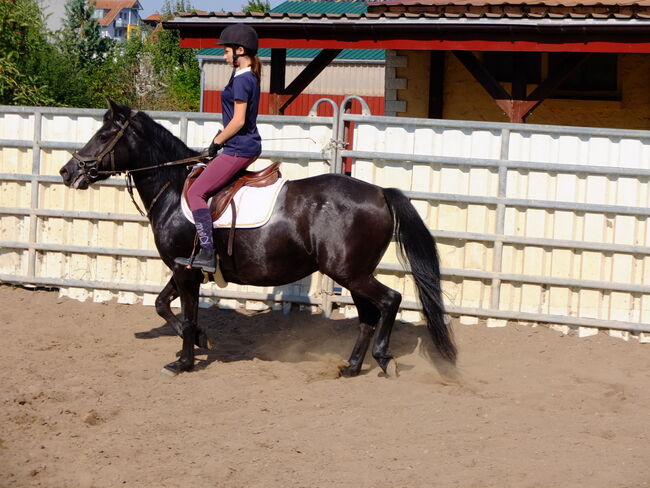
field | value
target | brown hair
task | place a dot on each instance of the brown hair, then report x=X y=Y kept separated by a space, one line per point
x=256 y=67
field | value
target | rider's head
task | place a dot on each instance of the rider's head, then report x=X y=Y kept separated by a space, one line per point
x=242 y=39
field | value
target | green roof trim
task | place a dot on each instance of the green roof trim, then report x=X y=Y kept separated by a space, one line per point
x=297 y=7
x=346 y=54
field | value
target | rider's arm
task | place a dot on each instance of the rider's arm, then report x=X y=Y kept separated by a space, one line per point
x=235 y=124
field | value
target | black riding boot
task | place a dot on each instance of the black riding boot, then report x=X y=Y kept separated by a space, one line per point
x=205 y=258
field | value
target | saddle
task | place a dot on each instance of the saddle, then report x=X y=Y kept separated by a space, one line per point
x=224 y=197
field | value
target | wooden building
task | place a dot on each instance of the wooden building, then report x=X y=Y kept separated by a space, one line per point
x=559 y=62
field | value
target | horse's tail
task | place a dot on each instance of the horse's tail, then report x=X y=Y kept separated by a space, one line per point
x=420 y=246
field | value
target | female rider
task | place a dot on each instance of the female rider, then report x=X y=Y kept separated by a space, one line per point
x=240 y=140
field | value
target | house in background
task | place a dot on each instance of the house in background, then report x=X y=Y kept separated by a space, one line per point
x=119 y=19
x=353 y=72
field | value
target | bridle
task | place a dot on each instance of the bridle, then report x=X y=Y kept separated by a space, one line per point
x=89 y=166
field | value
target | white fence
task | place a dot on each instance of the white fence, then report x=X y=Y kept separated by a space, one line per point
x=536 y=223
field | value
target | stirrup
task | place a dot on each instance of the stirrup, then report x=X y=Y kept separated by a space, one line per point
x=204 y=260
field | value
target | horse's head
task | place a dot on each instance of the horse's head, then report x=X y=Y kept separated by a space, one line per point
x=105 y=153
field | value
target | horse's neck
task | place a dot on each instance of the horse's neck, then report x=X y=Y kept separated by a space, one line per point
x=154 y=190
x=160 y=188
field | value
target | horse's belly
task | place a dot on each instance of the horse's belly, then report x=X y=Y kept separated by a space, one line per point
x=265 y=275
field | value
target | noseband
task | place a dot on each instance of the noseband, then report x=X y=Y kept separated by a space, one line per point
x=89 y=165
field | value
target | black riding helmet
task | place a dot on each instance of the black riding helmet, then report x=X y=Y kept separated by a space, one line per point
x=240 y=35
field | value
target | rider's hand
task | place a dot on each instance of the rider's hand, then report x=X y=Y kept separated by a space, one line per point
x=214 y=149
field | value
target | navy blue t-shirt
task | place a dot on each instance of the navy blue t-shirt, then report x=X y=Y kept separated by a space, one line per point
x=245 y=87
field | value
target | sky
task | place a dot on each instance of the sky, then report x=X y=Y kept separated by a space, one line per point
x=153 y=6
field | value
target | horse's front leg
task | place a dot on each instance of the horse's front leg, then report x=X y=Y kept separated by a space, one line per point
x=187 y=283
x=163 y=306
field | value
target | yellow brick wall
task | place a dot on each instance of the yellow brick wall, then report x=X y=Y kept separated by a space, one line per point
x=465 y=98
x=416 y=93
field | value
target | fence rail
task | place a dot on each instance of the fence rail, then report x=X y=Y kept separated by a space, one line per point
x=535 y=223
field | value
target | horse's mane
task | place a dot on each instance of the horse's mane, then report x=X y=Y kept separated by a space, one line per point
x=161 y=146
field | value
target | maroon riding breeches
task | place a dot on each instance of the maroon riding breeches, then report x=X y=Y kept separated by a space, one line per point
x=218 y=172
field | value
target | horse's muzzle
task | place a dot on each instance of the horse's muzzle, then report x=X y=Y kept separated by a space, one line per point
x=72 y=176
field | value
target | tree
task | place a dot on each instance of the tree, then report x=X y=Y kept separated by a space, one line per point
x=23 y=50
x=176 y=69
x=81 y=36
x=257 y=6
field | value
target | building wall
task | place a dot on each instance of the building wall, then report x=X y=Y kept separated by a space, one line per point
x=466 y=99
x=336 y=82
x=416 y=92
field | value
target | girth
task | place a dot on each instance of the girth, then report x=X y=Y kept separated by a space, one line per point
x=224 y=197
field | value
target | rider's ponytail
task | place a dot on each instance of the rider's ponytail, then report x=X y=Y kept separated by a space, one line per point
x=256 y=67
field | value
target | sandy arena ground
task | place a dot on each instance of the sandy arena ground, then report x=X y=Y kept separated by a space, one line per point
x=83 y=404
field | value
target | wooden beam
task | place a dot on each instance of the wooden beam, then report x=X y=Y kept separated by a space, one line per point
x=307 y=75
x=277 y=81
x=278 y=70
x=312 y=70
x=482 y=75
x=519 y=67
x=281 y=96
x=517 y=110
x=436 y=84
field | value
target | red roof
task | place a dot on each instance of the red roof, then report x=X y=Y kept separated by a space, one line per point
x=153 y=18
x=114 y=7
x=480 y=3
x=520 y=8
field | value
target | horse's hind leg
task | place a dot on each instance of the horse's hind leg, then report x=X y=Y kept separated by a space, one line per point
x=386 y=301
x=163 y=306
x=368 y=318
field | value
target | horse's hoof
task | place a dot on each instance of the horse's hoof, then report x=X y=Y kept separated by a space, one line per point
x=168 y=372
x=175 y=368
x=347 y=371
x=391 y=370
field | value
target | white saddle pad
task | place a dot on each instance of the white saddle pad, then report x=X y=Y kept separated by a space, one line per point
x=254 y=206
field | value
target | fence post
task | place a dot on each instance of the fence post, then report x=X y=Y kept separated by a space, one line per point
x=499 y=231
x=327 y=284
x=340 y=131
x=33 y=219
x=183 y=129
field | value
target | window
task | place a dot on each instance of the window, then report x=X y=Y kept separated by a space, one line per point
x=595 y=79
x=98 y=13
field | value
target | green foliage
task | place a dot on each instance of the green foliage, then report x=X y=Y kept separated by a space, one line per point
x=257 y=6
x=23 y=49
x=78 y=67
x=176 y=69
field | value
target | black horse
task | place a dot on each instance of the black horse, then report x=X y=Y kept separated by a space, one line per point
x=334 y=224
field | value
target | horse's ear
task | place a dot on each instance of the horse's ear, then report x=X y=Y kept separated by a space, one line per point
x=117 y=111
x=113 y=107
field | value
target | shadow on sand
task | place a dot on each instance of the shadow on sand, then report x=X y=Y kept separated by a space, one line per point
x=295 y=337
